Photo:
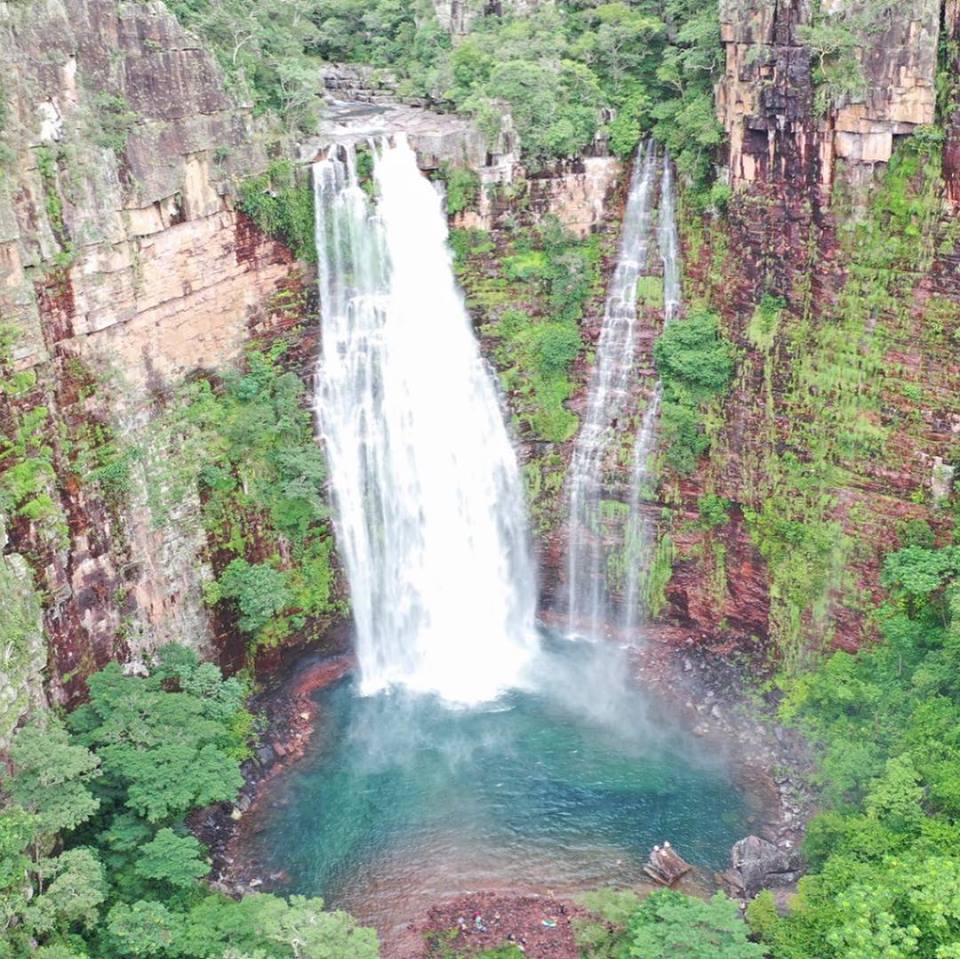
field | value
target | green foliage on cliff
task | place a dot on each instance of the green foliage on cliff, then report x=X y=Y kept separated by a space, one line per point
x=696 y=366
x=531 y=297
x=267 y=51
x=95 y=858
x=885 y=852
x=839 y=396
x=112 y=122
x=280 y=202
x=245 y=443
x=463 y=188
x=557 y=67
x=835 y=38
x=259 y=591
x=27 y=477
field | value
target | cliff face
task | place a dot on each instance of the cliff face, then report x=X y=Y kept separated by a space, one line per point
x=124 y=266
x=835 y=272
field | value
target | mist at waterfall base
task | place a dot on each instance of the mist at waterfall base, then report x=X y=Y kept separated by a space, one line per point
x=402 y=802
x=468 y=751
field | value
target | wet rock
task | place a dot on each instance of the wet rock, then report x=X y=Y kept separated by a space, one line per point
x=665 y=865
x=759 y=864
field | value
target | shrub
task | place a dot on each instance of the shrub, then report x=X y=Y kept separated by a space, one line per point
x=713 y=510
x=280 y=202
x=696 y=366
x=670 y=924
x=258 y=590
x=463 y=188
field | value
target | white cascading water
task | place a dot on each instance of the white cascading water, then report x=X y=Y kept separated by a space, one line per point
x=609 y=395
x=637 y=531
x=427 y=491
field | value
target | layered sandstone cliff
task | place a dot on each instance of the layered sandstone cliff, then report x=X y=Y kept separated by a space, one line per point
x=124 y=266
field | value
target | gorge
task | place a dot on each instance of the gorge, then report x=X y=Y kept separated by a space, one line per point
x=386 y=516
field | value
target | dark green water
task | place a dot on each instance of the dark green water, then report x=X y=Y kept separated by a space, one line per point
x=563 y=786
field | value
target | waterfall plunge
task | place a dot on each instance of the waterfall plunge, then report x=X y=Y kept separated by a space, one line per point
x=427 y=491
x=608 y=400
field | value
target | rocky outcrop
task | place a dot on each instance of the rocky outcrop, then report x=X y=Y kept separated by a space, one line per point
x=665 y=865
x=898 y=60
x=124 y=266
x=439 y=139
x=758 y=864
x=766 y=99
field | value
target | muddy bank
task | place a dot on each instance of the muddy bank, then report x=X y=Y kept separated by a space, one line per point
x=540 y=926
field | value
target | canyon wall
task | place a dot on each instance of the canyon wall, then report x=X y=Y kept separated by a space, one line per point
x=124 y=266
x=835 y=272
x=127 y=267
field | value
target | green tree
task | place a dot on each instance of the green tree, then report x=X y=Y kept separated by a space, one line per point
x=72 y=890
x=259 y=591
x=669 y=925
x=885 y=853
x=177 y=860
x=165 y=751
x=51 y=777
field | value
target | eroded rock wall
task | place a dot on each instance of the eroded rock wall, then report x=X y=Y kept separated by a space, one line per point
x=23 y=652
x=835 y=273
x=124 y=266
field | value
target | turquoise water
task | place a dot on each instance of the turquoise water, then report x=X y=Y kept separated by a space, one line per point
x=562 y=786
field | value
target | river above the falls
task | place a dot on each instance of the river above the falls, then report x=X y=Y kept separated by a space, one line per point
x=402 y=801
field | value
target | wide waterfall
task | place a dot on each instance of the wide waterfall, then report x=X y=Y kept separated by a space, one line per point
x=428 y=495
x=637 y=530
x=608 y=403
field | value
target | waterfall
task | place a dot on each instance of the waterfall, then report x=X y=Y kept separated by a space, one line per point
x=427 y=492
x=669 y=242
x=609 y=394
x=637 y=531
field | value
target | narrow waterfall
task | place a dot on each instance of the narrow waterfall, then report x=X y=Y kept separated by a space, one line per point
x=637 y=532
x=608 y=402
x=669 y=241
x=427 y=492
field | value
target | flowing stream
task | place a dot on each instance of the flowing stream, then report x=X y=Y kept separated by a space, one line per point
x=427 y=492
x=609 y=396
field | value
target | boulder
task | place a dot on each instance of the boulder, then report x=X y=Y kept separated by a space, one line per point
x=758 y=864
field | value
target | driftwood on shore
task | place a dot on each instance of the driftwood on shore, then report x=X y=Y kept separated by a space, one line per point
x=665 y=865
